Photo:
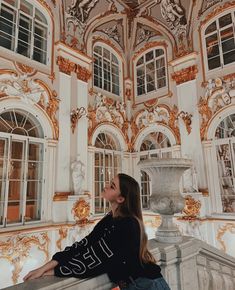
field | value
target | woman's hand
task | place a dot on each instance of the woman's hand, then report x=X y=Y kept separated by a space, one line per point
x=37 y=273
x=45 y=270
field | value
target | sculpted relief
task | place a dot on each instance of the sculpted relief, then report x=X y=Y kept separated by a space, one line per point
x=174 y=14
x=81 y=9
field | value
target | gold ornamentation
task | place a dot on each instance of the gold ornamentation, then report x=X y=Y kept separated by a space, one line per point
x=222 y=230
x=75 y=115
x=206 y=114
x=61 y=196
x=16 y=250
x=192 y=208
x=81 y=211
x=65 y=65
x=185 y=75
x=187 y=119
x=151 y=103
x=63 y=232
x=83 y=73
x=149 y=45
x=172 y=123
x=25 y=69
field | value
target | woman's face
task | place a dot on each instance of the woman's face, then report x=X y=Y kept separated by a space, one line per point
x=112 y=193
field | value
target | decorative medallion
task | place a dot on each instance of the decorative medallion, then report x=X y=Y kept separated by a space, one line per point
x=81 y=211
x=25 y=69
x=192 y=208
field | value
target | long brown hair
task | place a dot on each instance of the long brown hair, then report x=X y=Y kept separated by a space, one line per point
x=130 y=190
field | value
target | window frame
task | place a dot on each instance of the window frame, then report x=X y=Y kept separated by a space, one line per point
x=158 y=92
x=120 y=70
x=13 y=53
x=26 y=140
x=218 y=30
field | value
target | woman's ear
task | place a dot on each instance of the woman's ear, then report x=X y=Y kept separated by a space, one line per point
x=120 y=199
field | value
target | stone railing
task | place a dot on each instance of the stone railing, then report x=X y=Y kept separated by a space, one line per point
x=190 y=264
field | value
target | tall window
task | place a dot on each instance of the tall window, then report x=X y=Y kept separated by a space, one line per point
x=106 y=70
x=107 y=165
x=225 y=153
x=24 y=29
x=151 y=72
x=220 y=42
x=158 y=145
x=21 y=168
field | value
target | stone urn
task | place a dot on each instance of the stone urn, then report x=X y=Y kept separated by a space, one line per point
x=166 y=199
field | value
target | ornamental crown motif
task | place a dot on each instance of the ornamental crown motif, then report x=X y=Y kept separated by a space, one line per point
x=192 y=208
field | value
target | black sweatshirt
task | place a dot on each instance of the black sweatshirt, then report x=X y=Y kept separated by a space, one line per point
x=112 y=247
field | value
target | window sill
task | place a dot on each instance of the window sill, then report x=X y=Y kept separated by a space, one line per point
x=32 y=227
x=164 y=92
x=16 y=57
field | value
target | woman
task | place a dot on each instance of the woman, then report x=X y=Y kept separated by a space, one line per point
x=117 y=245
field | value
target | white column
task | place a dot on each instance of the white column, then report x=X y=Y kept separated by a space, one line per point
x=187 y=95
x=63 y=152
x=50 y=181
x=81 y=131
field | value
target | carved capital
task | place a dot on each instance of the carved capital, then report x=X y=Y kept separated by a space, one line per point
x=65 y=65
x=83 y=73
x=185 y=75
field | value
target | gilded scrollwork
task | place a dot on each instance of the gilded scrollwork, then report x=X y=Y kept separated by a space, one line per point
x=63 y=233
x=83 y=73
x=81 y=211
x=192 y=208
x=16 y=249
x=187 y=119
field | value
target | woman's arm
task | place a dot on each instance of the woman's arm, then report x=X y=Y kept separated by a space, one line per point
x=45 y=270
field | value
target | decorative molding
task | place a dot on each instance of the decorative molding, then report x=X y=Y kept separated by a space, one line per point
x=191 y=209
x=206 y=114
x=222 y=230
x=75 y=115
x=65 y=65
x=83 y=73
x=16 y=249
x=63 y=233
x=61 y=196
x=25 y=69
x=207 y=5
x=185 y=75
x=108 y=42
x=187 y=119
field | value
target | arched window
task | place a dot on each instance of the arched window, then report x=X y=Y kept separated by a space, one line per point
x=225 y=153
x=151 y=72
x=106 y=70
x=107 y=165
x=220 y=42
x=158 y=145
x=24 y=29
x=21 y=168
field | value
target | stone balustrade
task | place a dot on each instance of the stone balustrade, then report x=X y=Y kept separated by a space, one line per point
x=190 y=264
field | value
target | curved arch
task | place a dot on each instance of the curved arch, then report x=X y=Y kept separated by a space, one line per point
x=16 y=103
x=154 y=128
x=113 y=131
x=216 y=119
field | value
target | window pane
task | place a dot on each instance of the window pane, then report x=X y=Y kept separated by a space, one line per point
x=214 y=62
x=211 y=28
x=98 y=50
x=140 y=61
x=225 y=20
x=14 y=210
x=26 y=7
x=161 y=83
x=114 y=59
x=229 y=57
x=39 y=55
x=17 y=150
x=159 y=52
x=34 y=170
x=33 y=200
x=35 y=151
x=7 y=27
x=13 y=3
x=39 y=16
x=149 y=56
x=106 y=53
